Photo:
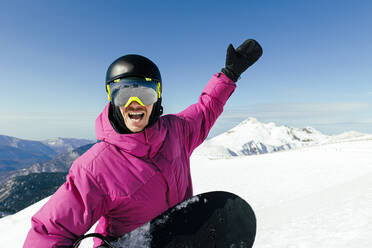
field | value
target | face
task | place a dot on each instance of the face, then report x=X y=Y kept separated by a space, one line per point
x=136 y=116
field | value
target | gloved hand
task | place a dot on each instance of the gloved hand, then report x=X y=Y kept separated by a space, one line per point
x=237 y=61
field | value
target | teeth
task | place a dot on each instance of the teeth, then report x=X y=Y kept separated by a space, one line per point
x=136 y=113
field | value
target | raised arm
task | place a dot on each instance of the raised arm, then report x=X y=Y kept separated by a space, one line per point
x=201 y=116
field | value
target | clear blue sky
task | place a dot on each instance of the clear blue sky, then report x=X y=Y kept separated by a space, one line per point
x=315 y=70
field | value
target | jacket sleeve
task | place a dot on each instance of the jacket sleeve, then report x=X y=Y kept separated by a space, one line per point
x=69 y=213
x=200 y=117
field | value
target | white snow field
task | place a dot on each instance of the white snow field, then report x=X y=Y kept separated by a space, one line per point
x=319 y=196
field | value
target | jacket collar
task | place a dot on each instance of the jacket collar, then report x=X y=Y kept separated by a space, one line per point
x=142 y=144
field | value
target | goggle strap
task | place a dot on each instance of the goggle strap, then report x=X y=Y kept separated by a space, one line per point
x=108 y=92
x=159 y=92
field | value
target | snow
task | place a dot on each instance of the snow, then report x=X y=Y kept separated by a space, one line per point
x=14 y=228
x=140 y=237
x=315 y=196
x=187 y=202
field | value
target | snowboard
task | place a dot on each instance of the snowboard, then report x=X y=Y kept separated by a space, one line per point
x=213 y=219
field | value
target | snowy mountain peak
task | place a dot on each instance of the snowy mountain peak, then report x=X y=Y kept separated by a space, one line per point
x=54 y=141
x=253 y=130
x=252 y=137
x=61 y=145
x=248 y=121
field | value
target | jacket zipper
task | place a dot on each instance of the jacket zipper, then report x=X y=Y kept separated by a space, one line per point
x=159 y=170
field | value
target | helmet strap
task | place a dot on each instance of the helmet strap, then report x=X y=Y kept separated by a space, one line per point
x=116 y=120
x=157 y=111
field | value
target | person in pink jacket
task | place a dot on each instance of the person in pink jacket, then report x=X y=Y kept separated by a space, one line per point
x=141 y=166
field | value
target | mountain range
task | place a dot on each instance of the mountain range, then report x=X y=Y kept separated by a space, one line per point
x=24 y=187
x=252 y=137
x=18 y=153
x=60 y=163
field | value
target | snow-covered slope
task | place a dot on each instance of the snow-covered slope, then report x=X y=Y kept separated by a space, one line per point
x=317 y=196
x=252 y=137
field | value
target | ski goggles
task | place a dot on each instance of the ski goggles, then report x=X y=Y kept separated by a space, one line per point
x=123 y=91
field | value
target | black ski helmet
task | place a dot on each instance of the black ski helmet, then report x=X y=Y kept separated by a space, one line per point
x=134 y=65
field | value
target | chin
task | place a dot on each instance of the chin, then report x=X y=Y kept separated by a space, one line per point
x=135 y=128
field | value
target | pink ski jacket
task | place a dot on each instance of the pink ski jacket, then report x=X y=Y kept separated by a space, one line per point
x=126 y=180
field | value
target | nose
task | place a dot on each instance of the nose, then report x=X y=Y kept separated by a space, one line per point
x=134 y=104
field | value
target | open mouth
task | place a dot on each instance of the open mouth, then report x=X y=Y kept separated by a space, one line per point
x=136 y=116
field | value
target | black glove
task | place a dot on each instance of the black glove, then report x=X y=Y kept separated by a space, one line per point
x=237 y=61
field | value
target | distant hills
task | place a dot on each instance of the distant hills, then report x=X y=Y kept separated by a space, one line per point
x=24 y=187
x=60 y=163
x=18 y=153
x=33 y=170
